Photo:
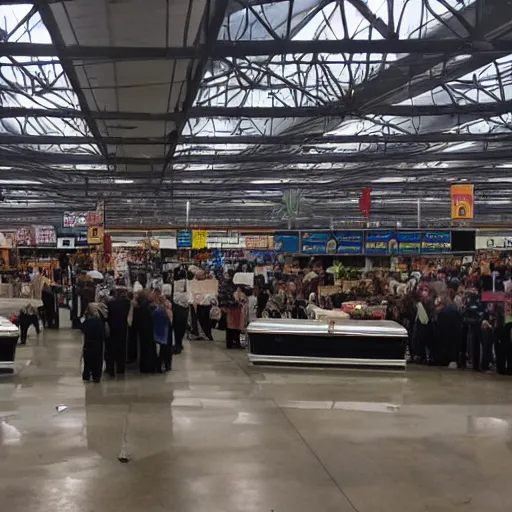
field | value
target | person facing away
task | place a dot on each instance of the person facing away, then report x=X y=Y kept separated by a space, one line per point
x=162 y=331
x=116 y=346
x=94 y=336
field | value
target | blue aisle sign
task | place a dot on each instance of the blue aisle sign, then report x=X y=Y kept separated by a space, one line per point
x=381 y=242
x=314 y=243
x=288 y=242
x=184 y=239
x=349 y=242
x=409 y=243
x=435 y=242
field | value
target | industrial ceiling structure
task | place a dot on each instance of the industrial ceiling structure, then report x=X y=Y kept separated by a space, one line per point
x=258 y=113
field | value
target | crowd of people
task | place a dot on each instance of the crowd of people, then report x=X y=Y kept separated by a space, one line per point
x=121 y=329
x=450 y=323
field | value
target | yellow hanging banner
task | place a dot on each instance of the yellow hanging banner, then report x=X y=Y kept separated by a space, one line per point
x=199 y=238
x=462 y=202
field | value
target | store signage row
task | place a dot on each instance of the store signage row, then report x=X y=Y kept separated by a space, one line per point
x=407 y=243
x=380 y=243
x=341 y=242
x=375 y=243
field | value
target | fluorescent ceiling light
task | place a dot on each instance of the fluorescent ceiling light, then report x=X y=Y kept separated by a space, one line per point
x=269 y=182
x=391 y=179
x=19 y=182
x=4 y=168
x=123 y=182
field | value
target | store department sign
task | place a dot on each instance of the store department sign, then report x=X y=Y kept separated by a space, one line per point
x=349 y=242
x=381 y=242
x=287 y=242
x=314 y=243
x=493 y=242
x=199 y=239
x=408 y=243
x=184 y=239
x=258 y=242
x=436 y=242
x=45 y=235
x=75 y=219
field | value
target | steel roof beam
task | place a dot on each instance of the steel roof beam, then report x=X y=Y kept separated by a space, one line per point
x=227 y=49
x=282 y=140
x=480 y=109
x=39 y=157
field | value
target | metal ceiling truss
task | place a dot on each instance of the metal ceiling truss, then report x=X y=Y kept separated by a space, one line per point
x=323 y=97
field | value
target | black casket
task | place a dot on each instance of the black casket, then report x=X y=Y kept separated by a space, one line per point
x=8 y=340
x=367 y=343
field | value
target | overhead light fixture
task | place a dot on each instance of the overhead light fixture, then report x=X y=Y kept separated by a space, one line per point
x=123 y=182
x=269 y=182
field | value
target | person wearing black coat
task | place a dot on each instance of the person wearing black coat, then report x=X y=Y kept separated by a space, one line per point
x=49 y=312
x=115 y=350
x=143 y=319
x=93 y=329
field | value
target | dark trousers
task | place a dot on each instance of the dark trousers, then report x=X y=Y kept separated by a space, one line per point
x=179 y=324
x=132 y=345
x=164 y=360
x=25 y=322
x=422 y=340
x=48 y=317
x=93 y=360
x=232 y=338
x=503 y=348
x=115 y=352
x=471 y=345
x=147 y=354
x=487 y=342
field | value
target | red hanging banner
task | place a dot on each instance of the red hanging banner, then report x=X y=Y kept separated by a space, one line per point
x=365 y=202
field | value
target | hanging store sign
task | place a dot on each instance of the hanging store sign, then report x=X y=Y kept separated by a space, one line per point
x=7 y=239
x=462 y=202
x=81 y=239
x=493 y=242
x=408 y=243
x=436 y=242
x=25 y=237
x=315 y=243
x=381 y=242
x=96 y=225
x=95 y=235
x=258 y=242
x=75 y=219
x=45 y=235
x=286 y=242
x=199 y=239
x=349 y=242
x=184 y=239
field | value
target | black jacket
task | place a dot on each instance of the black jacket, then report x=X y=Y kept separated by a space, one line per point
x=93 y=330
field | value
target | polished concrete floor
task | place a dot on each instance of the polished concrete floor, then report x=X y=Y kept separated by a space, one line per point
x=216 y=435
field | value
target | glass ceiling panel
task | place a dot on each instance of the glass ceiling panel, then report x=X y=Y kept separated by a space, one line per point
x=32 y=82
x=488 y=84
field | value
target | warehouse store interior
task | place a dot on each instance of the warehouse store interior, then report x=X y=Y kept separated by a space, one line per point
x=255 y=255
